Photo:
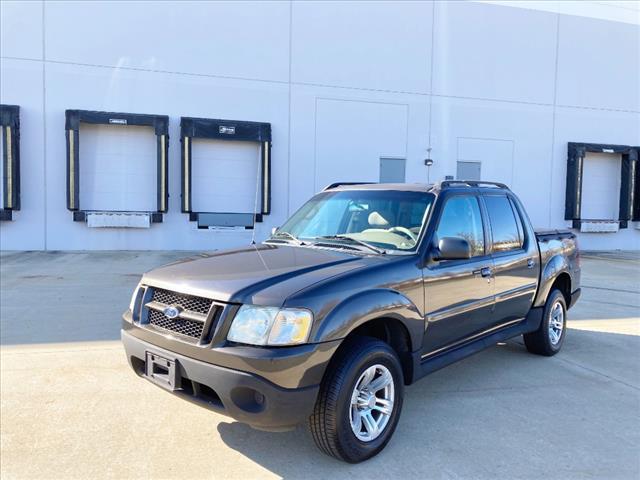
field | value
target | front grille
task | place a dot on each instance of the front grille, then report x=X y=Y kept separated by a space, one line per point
x=188 y=302
x=183 y=326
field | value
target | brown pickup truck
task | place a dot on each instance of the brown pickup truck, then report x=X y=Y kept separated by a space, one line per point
x=364 y=290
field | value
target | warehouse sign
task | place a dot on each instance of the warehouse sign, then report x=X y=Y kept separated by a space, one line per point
x=227 y=130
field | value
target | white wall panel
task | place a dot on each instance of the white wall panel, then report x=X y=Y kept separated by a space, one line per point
x=157 y=93
x=21 y=29
x=336 y=132
x=598 y=64
x=237 y=39
x=494 y=133
x=591 y=126
x=626 y=11
x=21 y=84
x=488 y=51
x=495 y=156
x=376 y=45
x=352 y=136
x=361 y=77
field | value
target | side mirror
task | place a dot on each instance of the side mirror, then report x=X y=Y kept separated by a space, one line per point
x=274 y=230
x=453 y=248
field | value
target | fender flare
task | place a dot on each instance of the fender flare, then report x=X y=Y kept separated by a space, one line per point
x=362 y=307
x=557 y=265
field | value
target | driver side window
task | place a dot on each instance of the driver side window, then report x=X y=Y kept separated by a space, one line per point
x=461 y=218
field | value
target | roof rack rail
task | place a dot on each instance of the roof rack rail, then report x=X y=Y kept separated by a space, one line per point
x=340 y=184
x=472 y=183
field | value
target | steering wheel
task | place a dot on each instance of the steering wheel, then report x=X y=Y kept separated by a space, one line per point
x=405 y=231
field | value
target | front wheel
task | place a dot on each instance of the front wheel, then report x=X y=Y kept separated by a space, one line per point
x=549 y=337
x=359 y=403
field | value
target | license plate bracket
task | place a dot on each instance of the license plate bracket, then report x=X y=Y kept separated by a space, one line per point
x=161 y=371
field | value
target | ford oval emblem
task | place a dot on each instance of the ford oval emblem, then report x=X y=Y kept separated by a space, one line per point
x=171 y=312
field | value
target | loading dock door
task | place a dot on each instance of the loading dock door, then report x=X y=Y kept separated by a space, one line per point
x=118 y=168
x=601 y=186
x=9 y=161
x=120 y=175
x=226 y=171
x=225 y=176
x=2 y=172
x=597 y=175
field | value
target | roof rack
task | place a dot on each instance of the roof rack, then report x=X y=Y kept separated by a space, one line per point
x=472 y=183
x=340 y=184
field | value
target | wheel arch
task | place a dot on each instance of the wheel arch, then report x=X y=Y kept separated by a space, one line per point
x=563 y=283
x=554 y=275
x=395 y=334
x=383 y=314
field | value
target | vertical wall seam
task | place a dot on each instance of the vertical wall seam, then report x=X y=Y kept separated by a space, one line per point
x=433 y=35
x=289 y=126
x=406 y=137
x=553 y=120
x=44 y=128
x=315 y=144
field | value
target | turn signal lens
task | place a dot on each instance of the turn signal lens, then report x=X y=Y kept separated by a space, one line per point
x=270 y=326
x=291 y=327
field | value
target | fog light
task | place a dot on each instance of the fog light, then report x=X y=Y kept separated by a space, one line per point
x=248 y=399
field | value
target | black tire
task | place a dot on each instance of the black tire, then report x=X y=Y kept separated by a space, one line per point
x=540 y=342
x=330 y=423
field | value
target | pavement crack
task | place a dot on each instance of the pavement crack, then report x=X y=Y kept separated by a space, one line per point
x=617 y=380
x=611 y=289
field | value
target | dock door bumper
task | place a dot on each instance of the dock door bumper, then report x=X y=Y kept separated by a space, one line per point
x=246 y=397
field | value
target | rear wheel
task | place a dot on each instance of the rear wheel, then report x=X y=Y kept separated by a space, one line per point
x=549 y=337
x=359 y=403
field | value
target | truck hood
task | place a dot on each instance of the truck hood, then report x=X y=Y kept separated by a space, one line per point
x=264 y=274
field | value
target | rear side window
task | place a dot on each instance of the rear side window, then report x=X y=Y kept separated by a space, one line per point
x=461 y=218
x=504 y=227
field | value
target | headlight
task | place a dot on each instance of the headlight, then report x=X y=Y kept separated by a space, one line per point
x=270 y=326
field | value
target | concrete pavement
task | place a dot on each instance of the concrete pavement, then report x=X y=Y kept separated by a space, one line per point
x=71 y=408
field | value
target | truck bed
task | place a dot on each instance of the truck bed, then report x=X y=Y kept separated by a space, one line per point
x=558 y=249
x=544 y=235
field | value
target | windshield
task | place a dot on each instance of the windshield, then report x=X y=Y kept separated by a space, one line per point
x=383 y=219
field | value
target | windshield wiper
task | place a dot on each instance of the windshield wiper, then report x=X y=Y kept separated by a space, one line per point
x=281 y=233
x=352 y=240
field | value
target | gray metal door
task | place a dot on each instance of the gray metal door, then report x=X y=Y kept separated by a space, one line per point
x=392 y=170
x=468 y=171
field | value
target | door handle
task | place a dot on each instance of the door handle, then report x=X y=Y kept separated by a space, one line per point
x=485 y=272
x=530 y=263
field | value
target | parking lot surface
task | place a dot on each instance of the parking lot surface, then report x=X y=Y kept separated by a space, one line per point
x=72 y=408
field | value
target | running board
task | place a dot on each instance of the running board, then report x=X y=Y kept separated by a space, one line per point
x=429 y=364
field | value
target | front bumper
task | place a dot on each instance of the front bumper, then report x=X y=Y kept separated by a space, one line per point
x=244 y=396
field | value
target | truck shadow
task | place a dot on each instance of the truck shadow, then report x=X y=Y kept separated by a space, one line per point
x=470 y=419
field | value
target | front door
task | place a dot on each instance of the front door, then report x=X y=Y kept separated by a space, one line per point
x=458 y=293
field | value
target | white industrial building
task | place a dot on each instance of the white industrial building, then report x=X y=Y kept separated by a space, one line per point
x=334 y=91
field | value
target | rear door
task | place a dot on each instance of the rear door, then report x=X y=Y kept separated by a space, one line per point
x=515 y=259
x=458 y=293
